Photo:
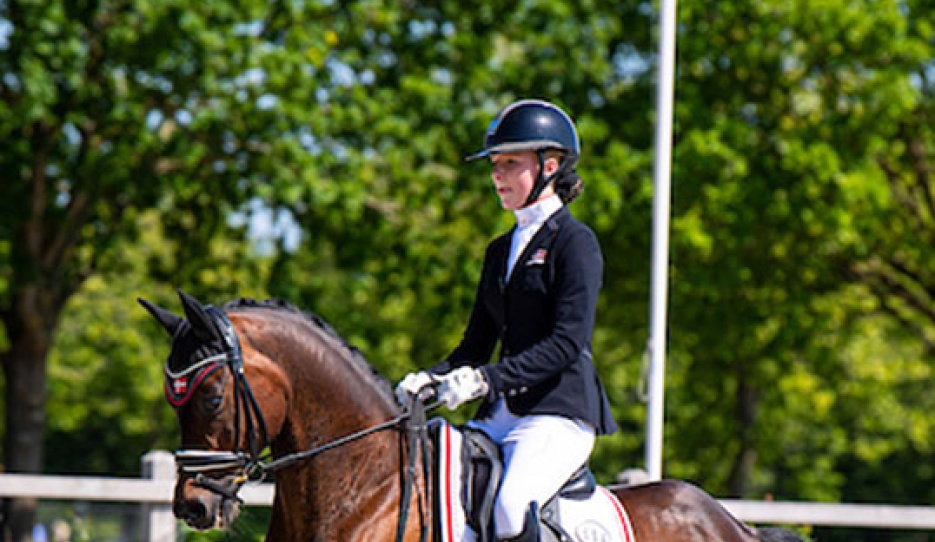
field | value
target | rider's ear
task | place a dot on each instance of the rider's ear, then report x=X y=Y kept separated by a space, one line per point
x=169 y=321
x=198 y=317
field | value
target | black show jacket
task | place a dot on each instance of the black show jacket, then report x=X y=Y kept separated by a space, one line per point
x=543 y=317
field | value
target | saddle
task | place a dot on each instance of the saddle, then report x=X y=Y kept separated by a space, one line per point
x=481 y=471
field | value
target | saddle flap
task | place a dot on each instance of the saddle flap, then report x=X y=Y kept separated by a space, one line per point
x=449 y=524
x=482 y=467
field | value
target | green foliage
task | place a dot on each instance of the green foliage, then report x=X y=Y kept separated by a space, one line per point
x=250 y=526
x=785 y=114
x=106 y=403
x=800 y=303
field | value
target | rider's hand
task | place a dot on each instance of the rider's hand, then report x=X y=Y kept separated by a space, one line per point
x=460 y=386
x=412 y=384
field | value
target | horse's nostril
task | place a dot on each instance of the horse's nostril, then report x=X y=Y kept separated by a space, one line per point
x=193 y=512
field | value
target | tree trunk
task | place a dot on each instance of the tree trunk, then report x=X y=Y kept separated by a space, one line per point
x=744 y=462
x=30 y=326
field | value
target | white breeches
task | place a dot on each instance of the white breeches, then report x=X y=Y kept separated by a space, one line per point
x=540 y=453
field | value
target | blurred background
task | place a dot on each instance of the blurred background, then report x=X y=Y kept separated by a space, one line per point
x=313 y=151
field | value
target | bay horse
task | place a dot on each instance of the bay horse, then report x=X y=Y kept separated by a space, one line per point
x=258 y=378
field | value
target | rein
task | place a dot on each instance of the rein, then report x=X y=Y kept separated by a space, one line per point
x=293 y=458
x=198 y=463
x=243 y=395
x=415 y=444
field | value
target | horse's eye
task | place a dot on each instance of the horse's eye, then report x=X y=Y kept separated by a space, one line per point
x=212 y=404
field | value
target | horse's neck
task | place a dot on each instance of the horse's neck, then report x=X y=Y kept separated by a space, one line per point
x=333 y=396
x=354 y=483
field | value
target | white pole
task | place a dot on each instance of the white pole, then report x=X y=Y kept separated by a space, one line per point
x=660 y=250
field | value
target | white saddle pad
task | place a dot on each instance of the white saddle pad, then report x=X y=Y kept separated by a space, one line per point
x=599 y=518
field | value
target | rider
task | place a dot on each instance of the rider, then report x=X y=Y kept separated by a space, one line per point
x=543 y=401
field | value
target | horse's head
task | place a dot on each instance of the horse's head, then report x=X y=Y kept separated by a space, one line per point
x=220 y=392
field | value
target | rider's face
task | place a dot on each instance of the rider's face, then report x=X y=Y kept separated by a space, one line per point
x=514 y=174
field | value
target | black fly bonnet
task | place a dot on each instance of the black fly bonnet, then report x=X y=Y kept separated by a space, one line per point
x=201 y=345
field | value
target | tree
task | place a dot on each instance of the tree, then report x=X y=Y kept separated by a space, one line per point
x=791 y=118
x=803 y=134
x=112 y=109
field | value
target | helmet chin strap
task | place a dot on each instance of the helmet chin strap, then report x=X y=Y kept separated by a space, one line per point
x=568 y=162
x=541 y=181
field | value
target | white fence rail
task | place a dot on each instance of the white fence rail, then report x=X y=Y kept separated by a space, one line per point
x=881 y=516
x=154 y=493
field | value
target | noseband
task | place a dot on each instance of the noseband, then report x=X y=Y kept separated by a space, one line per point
x=200 y=463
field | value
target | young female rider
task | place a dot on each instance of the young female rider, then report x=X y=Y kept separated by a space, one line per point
x=543 y=402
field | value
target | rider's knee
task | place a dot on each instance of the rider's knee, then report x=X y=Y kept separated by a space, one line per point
x=510 y=511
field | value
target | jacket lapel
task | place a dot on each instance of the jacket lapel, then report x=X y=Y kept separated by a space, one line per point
x=538 y=248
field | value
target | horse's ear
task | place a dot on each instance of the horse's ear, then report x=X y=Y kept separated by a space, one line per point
x=168 y=320
x=198 y=317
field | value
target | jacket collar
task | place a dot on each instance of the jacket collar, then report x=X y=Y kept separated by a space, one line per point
x=537 y=213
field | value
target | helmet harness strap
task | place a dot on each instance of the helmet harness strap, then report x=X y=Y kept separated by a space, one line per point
x=567 y=164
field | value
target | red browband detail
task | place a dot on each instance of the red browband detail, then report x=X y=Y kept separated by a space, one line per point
x=180 y=389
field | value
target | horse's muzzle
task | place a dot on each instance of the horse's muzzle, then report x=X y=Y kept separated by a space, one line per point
x=202 y=508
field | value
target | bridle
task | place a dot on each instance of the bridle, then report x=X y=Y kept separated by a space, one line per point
x=246 y=465
x=198 y=463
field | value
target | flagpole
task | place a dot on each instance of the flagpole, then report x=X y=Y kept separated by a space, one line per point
x=660 y=244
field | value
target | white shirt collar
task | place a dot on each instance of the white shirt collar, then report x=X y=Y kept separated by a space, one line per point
x=537 y=213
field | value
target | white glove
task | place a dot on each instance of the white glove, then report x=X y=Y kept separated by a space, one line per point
x=412 y=384
x=460 y=386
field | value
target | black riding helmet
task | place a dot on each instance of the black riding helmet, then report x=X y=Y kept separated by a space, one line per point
x=532 y=125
